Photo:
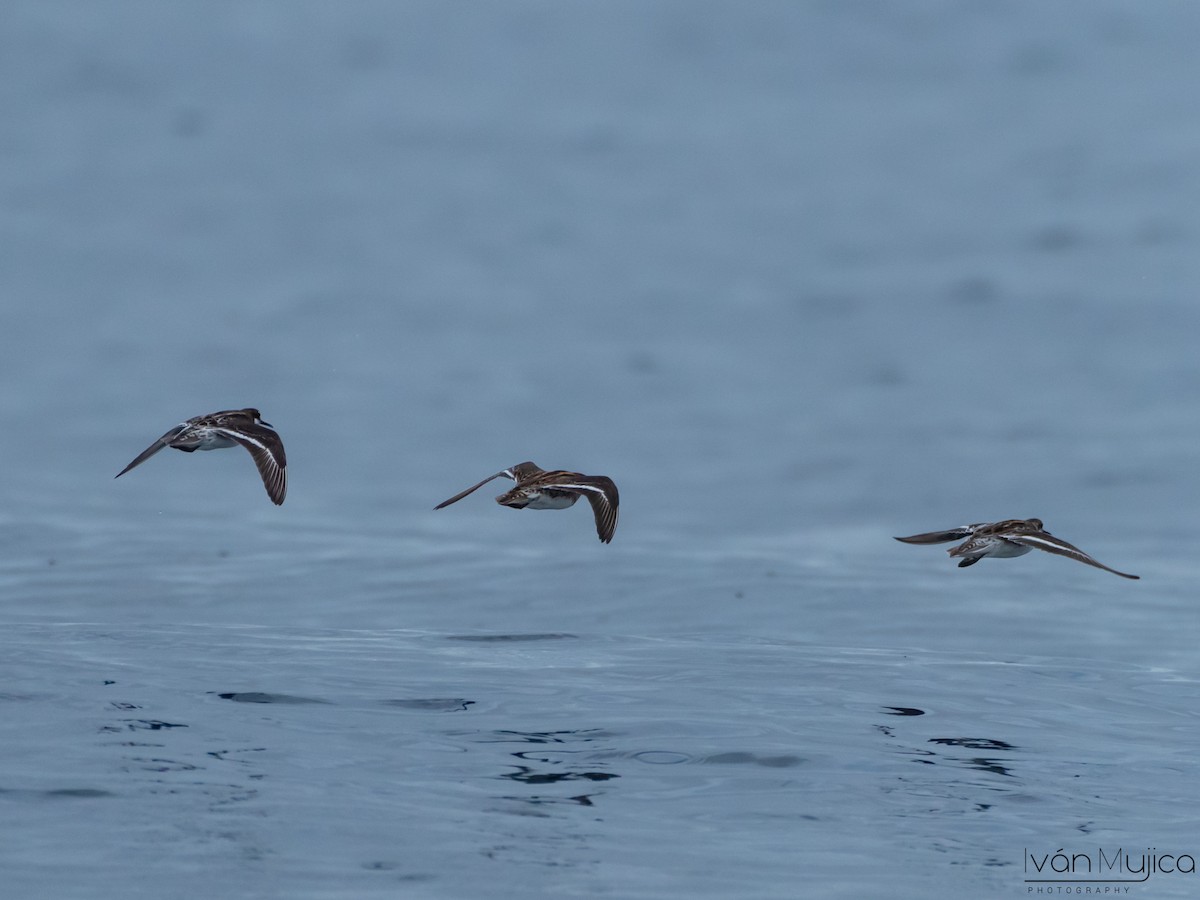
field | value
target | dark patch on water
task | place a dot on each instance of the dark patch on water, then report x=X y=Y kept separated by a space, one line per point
x=223 y=755
x=904 y=711
x=503 y=736
x=539 y=800
x=1036 y=60
x=549 y=758
x=59 y=793
x=742 y=758
x=528 y=775
x=80 y=793
x=263 y=697
x=511 y=638
x=974 y=743
x=989 y=765
x=545 y=737
x=885 y=374
x=153 y=764
x=381 y=865
x=981 y=763
x=1056 y=239
x=1161 y=231
x=452 y=704
x=973 y=291
x=143 y=725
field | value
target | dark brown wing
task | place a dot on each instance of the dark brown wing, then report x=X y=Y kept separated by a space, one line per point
x=602 y=494
x=164 y=441
x=600 y=491
x=518 y=473
x=940 y=537
x=266 y=448
x=232 y=418
x=1043 y=541
x=1010 y=526
x=523 y=472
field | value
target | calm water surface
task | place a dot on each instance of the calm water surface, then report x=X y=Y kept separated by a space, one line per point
x=799 y=277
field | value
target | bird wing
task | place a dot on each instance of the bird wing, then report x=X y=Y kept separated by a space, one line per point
x=518 y=473
x=266 y=448
x=522 y=472
x=164 y=441
x=940 y=537
x=1043 y=541
x=601 y=492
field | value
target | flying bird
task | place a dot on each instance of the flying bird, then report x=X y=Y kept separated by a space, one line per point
x=1000 y=540
x=229 y=428
x=538 y=489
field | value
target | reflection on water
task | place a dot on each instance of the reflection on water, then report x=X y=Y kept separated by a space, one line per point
x=554 y=761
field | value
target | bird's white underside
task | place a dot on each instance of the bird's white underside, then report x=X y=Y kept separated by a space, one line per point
x=549 y=501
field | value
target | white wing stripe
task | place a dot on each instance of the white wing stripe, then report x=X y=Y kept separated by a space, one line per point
x=1043 y=540
x=242 y=437
x=570 y=486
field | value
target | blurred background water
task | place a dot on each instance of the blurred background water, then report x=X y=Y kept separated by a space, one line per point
x=798 y=277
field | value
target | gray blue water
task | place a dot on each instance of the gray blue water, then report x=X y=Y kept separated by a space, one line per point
x=797 y=276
